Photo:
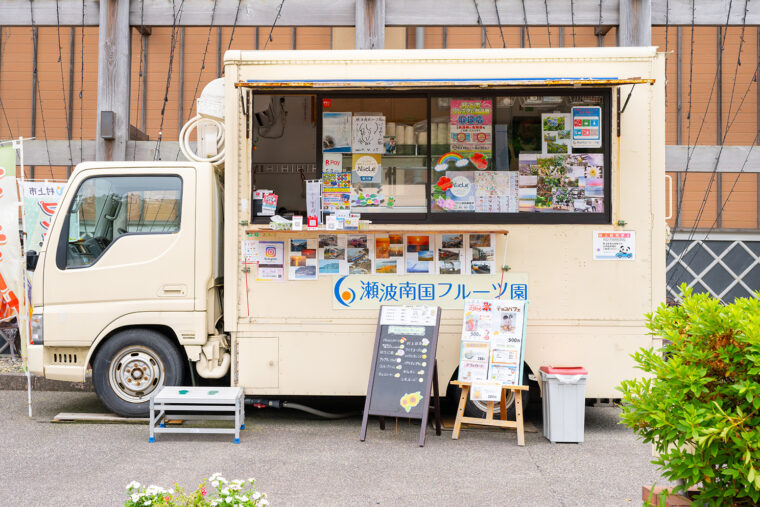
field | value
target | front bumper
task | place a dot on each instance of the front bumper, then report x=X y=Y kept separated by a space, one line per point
x=36 y=359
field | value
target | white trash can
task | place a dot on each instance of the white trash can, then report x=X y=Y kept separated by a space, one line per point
x=564 y=402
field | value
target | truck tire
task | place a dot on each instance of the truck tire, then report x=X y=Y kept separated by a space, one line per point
x=131 y=365
x=478 y=408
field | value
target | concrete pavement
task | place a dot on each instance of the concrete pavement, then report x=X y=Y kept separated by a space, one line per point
x=301 y=460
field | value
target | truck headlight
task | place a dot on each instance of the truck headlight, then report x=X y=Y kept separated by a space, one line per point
x=37 y=338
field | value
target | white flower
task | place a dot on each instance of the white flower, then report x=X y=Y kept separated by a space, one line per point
x=234 y=486
x=215 y=484
x=135 y=497
x=148 y=502
x=226 y=491
x=256 y=495
x=241 y=498
x=264 y=501
x=133 y=485
x=251 y=480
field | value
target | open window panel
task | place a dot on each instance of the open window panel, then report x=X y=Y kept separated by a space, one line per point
x=283 y=134
x=377 y=146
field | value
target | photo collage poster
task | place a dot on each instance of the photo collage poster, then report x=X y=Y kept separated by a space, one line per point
x=331 y=254
x=302 y=259
x=481 y=254
x=493 y=341
x=389 y=254
x=451 y=256
x=573 y=182
x=359 y=254
x=420 y=254
x=556 y=133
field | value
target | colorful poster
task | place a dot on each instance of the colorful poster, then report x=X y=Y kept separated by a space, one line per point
x=587 y=126
x=331 y=254
x=302 y=259
x=271 y=261
x=11 y=267
x=451 y=255
x=332 y=163
x=556 y=133
x=420 y=253
x=336 y=191
x=249 y=251
x=336 y=132
x=486 y=391
x=389 y=254
x=359 y=254
x=470 y=125
x=614 y=245
x=481 y=252
x=41 y=199
x=367 y=134
x=493 y=338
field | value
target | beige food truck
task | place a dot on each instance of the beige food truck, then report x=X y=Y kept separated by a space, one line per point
x=457 y=162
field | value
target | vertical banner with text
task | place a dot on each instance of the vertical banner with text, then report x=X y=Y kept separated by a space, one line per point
x=41 y=199
x=11 y=285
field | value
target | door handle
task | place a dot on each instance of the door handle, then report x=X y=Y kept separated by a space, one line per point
x=172 y=290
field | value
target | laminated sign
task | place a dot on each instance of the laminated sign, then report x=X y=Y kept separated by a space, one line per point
x=493 y=342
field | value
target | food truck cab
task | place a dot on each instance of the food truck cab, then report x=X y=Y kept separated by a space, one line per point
x=435 y=176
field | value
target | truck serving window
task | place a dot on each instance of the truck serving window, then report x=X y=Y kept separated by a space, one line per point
x=538 y=155
x=106 y=207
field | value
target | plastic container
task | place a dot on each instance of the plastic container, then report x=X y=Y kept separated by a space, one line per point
x=564 y=402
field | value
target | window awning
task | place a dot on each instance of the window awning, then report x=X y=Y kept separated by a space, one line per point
x=445 y=83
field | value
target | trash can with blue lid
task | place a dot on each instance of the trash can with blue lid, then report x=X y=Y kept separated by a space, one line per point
x=564 y=402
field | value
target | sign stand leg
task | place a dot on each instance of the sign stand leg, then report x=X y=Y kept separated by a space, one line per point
x=460 y=411
x=518 y=417
x=436 y=400
x=382 y=422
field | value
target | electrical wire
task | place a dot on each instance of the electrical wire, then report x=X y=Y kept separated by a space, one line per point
x=2 y=106
x=480 y=24
x=234 y=25
x=37 y=86
x=177 y=15
x=276 y=18
x=525 y=21
x=572 y=18
x=63 y=85
x=140 y=74
x=498 y=20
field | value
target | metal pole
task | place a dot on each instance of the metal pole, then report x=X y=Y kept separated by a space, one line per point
x=419 y=37
x=70 y=122
x=144 y=108
x=679 y=85
x=445 y=38
x=32 y=169
x=562 y=36
x=219 y=52
x=181 y=98
x=719 y=70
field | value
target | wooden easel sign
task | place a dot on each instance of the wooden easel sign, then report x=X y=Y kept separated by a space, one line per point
x=491 y=354
x=404 y=369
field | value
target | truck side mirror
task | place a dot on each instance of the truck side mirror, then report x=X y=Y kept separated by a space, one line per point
x=31 y=260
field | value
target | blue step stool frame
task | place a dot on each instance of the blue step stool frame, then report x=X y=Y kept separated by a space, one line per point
x=189 y=403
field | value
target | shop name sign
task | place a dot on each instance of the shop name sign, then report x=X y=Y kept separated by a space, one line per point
x=369 y=292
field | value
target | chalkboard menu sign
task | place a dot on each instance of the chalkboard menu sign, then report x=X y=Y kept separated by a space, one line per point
x=403 y=366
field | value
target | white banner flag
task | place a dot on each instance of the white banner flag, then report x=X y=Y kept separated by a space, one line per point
x=11 y=284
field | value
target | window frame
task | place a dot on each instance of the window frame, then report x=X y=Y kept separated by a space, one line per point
x=61 y=254
x=467 y=217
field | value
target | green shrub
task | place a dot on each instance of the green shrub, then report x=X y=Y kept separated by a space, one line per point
x=699 y=402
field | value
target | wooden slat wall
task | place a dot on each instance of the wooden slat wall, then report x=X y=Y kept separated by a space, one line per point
x=739 y=93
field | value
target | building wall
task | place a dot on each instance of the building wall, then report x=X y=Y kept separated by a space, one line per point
x=698 y=84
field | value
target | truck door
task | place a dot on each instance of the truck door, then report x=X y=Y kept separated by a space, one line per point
x=126 y=245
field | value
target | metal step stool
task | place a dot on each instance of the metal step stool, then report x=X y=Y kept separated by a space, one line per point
x=189 y=403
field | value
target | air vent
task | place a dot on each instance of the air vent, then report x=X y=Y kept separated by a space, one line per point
x=64 y=358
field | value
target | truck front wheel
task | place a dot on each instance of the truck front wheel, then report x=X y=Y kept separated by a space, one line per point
x=131 y=365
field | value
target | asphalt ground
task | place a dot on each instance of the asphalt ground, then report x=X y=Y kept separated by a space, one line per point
x=298 y=459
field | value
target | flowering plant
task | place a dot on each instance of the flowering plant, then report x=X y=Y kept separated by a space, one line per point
x=224 y=493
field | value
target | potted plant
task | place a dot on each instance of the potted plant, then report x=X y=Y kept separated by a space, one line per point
x=699 y=402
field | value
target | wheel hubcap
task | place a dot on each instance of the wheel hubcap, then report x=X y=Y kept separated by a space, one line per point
x=135 y=373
